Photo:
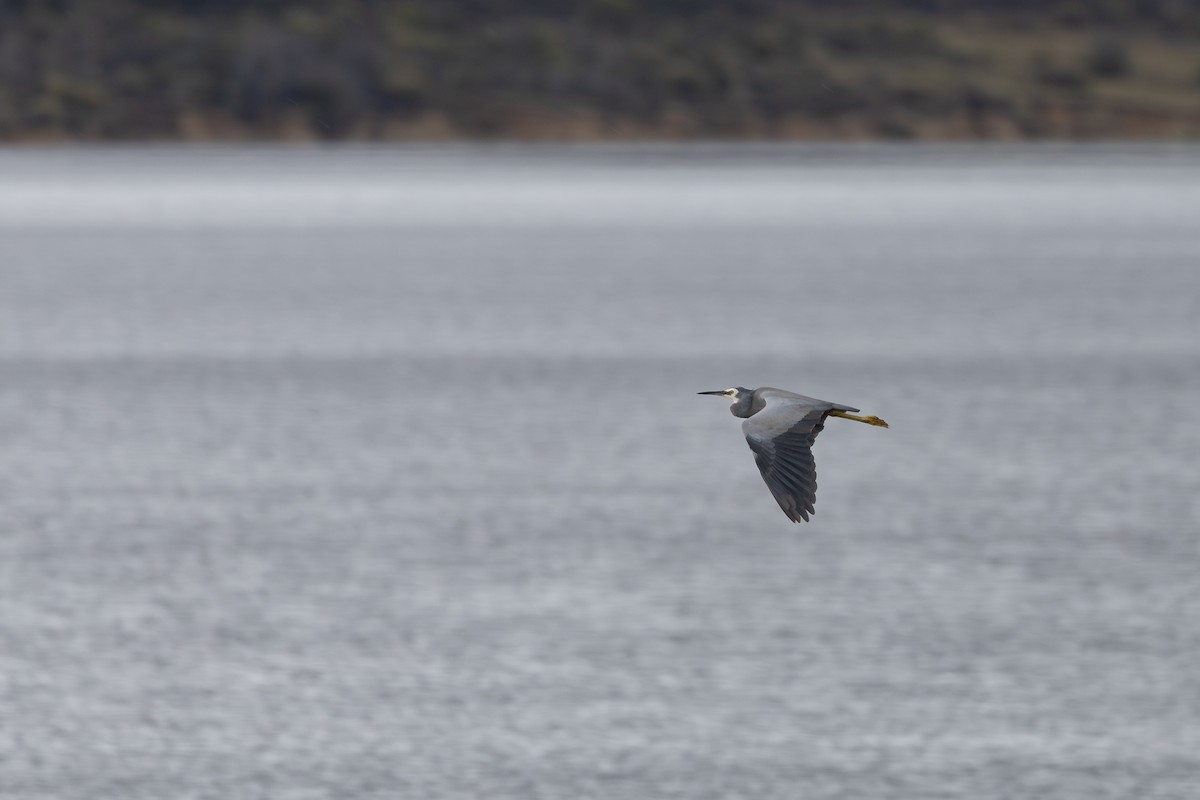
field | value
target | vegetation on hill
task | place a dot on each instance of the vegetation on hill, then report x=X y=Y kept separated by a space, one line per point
x=551 y=69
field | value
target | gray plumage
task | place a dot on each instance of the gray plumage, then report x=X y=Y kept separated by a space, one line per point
x=780 y=428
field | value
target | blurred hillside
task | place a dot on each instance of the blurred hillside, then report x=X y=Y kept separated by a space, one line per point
x=548 y=69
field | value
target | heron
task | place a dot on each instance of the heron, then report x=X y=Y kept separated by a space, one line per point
x=780 y=428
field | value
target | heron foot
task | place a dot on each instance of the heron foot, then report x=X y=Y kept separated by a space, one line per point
x=869 y=420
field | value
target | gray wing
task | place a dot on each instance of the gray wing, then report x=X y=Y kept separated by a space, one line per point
x=783 y=396
x=782 y=445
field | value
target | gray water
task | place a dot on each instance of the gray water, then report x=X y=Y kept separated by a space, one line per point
x=376 y=473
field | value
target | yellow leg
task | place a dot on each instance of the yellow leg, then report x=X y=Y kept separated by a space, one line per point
x=856 y=418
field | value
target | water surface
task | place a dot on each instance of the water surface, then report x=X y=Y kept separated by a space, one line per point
x=380 y=473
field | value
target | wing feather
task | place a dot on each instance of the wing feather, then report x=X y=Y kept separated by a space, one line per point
x=782 y=445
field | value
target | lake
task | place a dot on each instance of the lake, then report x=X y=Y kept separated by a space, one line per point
x=380 y=472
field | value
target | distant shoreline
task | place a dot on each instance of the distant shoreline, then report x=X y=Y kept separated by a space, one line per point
x=1062 y=124
x=598 y=70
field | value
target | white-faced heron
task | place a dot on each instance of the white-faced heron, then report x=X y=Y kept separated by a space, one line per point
x=780 y=428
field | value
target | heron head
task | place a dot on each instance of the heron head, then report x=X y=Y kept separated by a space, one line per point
x=732 y=394
x=740 y=399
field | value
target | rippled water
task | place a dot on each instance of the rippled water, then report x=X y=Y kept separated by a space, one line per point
x=380 y=473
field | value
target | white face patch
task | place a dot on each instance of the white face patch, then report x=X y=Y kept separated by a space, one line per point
x=731 y=394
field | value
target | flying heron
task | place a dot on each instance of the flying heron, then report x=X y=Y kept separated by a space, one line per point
x=780 y=428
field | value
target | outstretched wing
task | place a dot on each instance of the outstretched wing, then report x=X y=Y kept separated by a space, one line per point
x=781 y=436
